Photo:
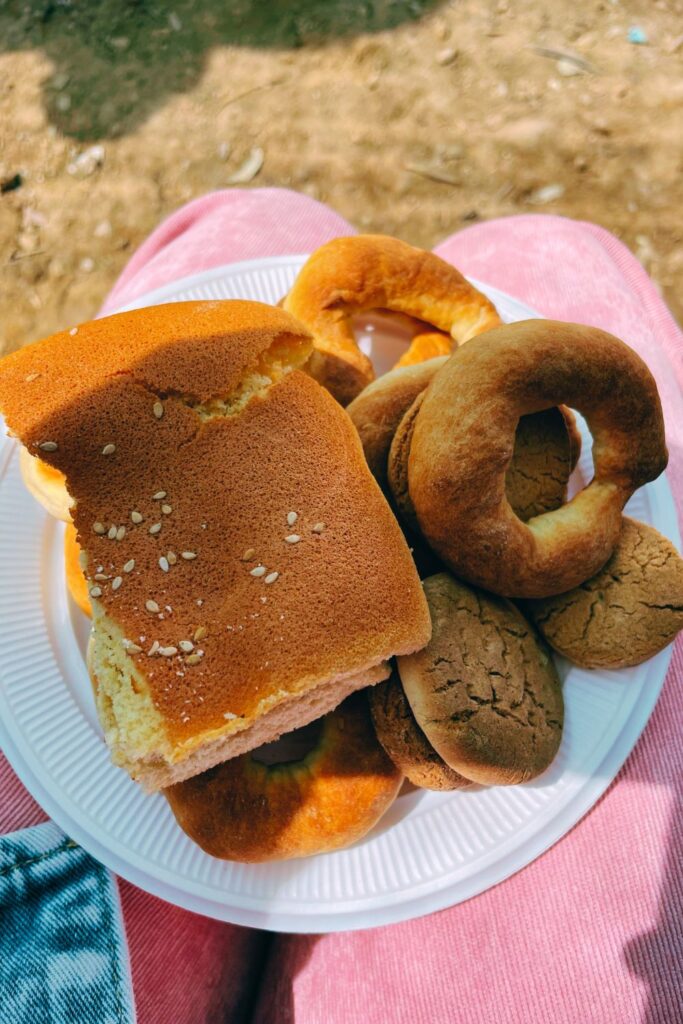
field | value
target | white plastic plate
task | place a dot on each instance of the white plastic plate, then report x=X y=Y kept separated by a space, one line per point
x=430 y=851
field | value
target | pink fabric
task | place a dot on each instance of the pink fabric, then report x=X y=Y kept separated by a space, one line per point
x=592 y=930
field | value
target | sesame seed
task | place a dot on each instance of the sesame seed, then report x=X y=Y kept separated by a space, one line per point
x=73 y=331
x=248 y=555
x=271 y=577
x=136 y=517
x=152 y=606
x=166 y=509
x=291 y=518
x=158 y=410
x=109 y=449
x=199 y=633
x=101 y=576
x=159 y=496
x=168 y=652
x=112 y=533
x=229 y=715
x=130 y=565
x=186 y=645
x=163 y=563
x=83 y=559
x=155 y=528
x=259 y=570
x=116 y=582
x=96 y=591
x=293 y=538
x=193 y=659
x=171 y=557
x=153 y=649
x=121 y=533
x=318 y=528
x=188 y=555
x=48 y=446
x=29 y=378
x=132 y=648
x=99 y=528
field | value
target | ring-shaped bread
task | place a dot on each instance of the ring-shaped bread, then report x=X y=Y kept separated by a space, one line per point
x=463 y=441
x=353 y=275
x=248 y=811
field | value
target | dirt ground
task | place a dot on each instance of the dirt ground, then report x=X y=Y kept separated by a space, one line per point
x=412 y=118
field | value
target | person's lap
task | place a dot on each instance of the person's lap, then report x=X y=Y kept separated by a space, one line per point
x=585 y=932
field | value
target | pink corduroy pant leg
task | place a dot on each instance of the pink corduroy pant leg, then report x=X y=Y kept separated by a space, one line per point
x=592 y=931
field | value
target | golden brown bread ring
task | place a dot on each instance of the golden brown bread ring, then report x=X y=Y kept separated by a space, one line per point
x=247 y=811
x=626 y=614
x=424 y=346
x=463 y=443
x=352 y=275
x=404 y=741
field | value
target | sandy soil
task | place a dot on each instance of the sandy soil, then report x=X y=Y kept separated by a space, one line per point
x=412 y=118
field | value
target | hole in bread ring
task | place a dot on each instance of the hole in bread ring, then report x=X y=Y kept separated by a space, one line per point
x=245 y=810
x=463 y=442
x=353 y=275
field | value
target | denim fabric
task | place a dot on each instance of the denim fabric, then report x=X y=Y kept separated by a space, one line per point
x=63 y=954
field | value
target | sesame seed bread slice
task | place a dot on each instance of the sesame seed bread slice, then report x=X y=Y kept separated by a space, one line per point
x=244 y=570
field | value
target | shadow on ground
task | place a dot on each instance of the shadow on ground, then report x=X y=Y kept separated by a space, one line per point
x=115 y=61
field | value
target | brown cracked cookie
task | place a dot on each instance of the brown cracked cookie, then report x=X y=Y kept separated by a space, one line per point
x=484 y=690
x=404 y=741
x=624 y=615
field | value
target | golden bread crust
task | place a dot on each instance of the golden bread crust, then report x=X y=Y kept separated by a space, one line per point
x=463 y=442
x=624 y=615
x=351 y=275
x=484 y=690
x=244 y=810
x=404 y=741
x=344 y=599
x=380 y=407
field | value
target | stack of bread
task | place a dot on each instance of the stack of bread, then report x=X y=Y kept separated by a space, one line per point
x=249 y=514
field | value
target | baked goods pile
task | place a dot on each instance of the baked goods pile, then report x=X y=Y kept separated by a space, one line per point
x=251 y=551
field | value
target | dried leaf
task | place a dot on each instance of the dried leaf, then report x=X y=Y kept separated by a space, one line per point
x=249 y=169
x=433 y=173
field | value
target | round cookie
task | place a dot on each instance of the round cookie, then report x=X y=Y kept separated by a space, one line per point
x=625 y=614
x=484 y=690
x=404 y=741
